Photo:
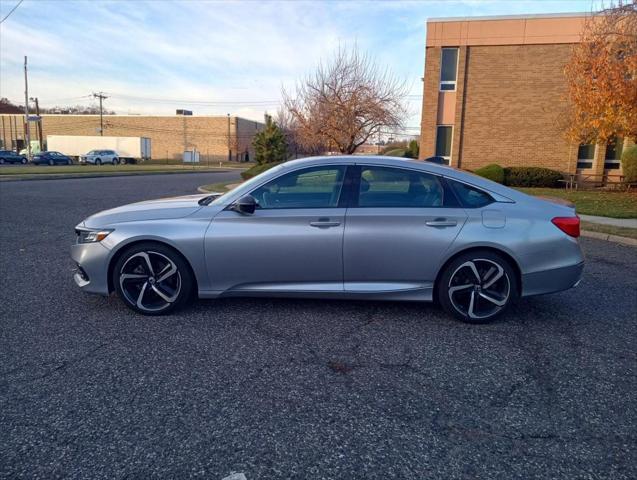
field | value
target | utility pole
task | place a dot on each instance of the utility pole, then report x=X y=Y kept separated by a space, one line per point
x=39 y=125
x=101 y=96
x=26 y=109
x=229 y=149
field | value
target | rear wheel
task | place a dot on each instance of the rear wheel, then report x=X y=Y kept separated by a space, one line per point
x=478 y=287
x=1 y=161
x=23 y=161
x=51 y=162
x=115 y=161
x=153 y=279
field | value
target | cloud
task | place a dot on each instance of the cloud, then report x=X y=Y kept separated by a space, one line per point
x=209 y=51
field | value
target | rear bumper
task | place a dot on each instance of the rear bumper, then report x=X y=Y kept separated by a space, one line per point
x=92 y=261
x=551 y=281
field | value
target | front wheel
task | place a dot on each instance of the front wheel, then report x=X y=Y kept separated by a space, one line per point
x=153 y=279
x=115 y=161
x=23 y=161
x=98 y=162
x=478 y=287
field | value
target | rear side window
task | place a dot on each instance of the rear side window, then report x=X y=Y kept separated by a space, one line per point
x=470 y=197
x=398 y=188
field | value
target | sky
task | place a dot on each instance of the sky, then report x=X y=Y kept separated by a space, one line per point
x=216 y=57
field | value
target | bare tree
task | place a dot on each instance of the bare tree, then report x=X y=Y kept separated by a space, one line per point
x=346 y=102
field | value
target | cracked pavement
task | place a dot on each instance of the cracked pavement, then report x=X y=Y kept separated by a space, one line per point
x=279 y=388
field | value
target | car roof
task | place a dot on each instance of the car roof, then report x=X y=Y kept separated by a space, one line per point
x=429 y=167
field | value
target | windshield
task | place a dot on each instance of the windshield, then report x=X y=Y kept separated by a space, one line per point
x=245 y=186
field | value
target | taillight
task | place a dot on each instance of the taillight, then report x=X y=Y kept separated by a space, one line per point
x=569 y=225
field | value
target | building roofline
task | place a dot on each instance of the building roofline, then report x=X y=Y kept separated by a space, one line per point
x=509 y=17
x=133 y=115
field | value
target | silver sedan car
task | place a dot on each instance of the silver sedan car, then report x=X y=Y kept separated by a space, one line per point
x=376 y=228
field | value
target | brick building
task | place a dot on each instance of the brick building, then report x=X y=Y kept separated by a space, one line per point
x=494 y=92
x=215 y=137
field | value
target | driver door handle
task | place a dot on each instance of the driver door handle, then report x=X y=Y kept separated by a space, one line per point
x=324 y=223
x=441 y=222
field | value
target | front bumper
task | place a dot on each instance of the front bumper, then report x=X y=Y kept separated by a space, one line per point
x=551 y=281
x=92 y=261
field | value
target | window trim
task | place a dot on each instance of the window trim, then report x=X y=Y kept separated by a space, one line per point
x=341 y=196
x=356 y=175
x=449 y=82
x=448 y=158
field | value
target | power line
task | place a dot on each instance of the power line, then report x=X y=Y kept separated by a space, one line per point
x=197 y=102
x=11 y=11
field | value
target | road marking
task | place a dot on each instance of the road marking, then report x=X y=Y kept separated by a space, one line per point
x=235 y=476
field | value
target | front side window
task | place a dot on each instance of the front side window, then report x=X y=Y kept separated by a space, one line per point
x=585 y=155
x=395 y=187
x=316 y=187
x=470 y=197
x=613 y=154
x=444 y=134
x=448 y=68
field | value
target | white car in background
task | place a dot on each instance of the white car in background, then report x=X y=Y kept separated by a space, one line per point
x=99 y=157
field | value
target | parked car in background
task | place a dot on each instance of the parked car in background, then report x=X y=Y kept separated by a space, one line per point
x=368 y=228
x=99 y=157
x=9 y=156
x=129 y=149
x=51 y=158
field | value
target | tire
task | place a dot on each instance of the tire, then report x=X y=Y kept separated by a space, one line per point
x=23 y=161
x=51 y=162
x=481 y=297
x=145 y=292
x=98 y=161
x=115 y=161
x=1 y=161
x=69 y=162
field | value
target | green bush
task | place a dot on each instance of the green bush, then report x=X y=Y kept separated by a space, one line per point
x=493 y=172
x=629 y=164
x=257 y=169
x=531 y=177
x=412 y=150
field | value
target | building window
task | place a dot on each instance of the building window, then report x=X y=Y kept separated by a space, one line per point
x=448 y=68
x=585 y=155
x=444 y=133
x=613 y=154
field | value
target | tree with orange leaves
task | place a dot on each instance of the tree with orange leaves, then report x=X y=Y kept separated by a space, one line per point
x=602 y=77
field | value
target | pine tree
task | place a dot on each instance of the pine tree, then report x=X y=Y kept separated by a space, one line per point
x=270 y=144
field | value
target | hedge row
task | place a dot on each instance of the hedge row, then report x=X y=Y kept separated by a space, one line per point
x=521 y=176
x=629 y=164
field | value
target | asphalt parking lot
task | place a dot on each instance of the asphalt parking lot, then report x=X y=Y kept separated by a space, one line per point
x=300 y=388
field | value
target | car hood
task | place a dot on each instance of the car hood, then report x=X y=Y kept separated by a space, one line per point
x=160 y=209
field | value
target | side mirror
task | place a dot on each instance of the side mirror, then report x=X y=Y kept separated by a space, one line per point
x=245 y=205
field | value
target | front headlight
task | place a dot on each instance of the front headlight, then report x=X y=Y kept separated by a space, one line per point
x=91 y=236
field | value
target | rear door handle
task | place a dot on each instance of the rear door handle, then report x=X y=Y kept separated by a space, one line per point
x=441 y=222
x=324 y=224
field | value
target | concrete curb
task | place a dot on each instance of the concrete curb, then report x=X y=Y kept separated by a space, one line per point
x=631 y=242
x=66 y=176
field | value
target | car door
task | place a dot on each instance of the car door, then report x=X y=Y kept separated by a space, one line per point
x=293 y=242
x=398 y=227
